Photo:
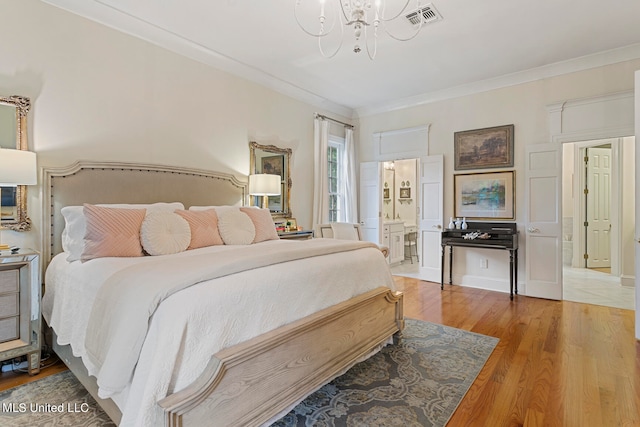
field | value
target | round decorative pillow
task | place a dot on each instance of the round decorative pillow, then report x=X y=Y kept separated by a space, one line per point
x=164 y=233
x=235 y=227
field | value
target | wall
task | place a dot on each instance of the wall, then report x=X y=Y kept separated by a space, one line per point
x=524 y=105
x=402 y=176
x=405 y=208
x=98 y=94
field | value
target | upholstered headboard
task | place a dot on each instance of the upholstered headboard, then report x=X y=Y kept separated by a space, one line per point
x=105 y=182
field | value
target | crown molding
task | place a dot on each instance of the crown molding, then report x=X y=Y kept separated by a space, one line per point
x=105 y=14
x=102 y=12
x=600 y=59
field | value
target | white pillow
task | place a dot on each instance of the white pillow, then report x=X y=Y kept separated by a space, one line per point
x=235 y=227
x=164 y=233
x=76 y=226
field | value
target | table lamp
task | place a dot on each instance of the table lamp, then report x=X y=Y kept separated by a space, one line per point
x=17 y=167
x=264 y=185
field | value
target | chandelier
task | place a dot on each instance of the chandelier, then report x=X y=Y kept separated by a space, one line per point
x=366 y=18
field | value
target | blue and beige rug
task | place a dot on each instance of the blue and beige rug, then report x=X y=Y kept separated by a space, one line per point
x=418 y=381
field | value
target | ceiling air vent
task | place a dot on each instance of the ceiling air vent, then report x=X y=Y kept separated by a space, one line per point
x=427 y=14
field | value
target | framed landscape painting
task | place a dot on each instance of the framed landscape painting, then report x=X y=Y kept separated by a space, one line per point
x=273 y=165
x=483 y=148
x=487 y=195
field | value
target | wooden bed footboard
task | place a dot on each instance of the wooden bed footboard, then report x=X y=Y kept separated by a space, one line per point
x=251 y=383
x=255 y=381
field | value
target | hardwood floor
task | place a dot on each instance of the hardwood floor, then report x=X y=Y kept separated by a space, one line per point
x=557 y=363
x=12 y=379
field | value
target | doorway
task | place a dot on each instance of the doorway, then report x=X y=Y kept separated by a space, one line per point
x=598 y=187
x=400 y=199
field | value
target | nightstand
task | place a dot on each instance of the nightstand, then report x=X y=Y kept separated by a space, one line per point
x=296 y=235
x=20 y=307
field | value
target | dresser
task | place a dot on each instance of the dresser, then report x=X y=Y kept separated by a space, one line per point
x=20 y=307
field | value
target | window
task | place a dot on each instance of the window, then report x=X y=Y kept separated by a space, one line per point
x=335 y=153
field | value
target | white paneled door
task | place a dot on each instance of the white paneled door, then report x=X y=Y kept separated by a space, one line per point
x=543 y=228
x=430 y=216
x=598 y=207
x=371 y=201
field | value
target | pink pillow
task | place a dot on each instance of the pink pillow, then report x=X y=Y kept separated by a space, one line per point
x=204 y=228
x=263 y=222
x=112 y=232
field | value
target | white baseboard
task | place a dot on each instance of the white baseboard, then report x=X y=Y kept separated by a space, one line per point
x=489 y=284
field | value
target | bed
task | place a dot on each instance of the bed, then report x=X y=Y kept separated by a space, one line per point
x=313 y=314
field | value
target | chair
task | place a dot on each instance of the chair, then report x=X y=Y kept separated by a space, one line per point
x=345 y=231
x=411 y=241
x=339 y=230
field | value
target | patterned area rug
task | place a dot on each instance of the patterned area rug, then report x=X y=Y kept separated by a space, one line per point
x=56 y=400
x=418 y=381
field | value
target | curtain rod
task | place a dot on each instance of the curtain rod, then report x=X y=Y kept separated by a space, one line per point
x=334 y=120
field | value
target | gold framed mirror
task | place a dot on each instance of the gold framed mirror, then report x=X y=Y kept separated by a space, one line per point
x=273 y=160
x=13 y=135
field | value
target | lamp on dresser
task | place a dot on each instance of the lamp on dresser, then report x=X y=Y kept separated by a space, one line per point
x=17 y=167
x=265 y=185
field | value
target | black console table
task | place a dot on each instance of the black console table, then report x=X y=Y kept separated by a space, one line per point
x=490 y=235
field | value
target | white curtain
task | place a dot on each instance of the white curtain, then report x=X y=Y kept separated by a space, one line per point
x=321 y=184
x=349 y=178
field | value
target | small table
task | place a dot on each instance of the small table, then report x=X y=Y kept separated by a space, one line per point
x=500 y=236
x=296 y=235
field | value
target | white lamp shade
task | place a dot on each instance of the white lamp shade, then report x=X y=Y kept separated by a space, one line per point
x=264 y=185
x=17 y=167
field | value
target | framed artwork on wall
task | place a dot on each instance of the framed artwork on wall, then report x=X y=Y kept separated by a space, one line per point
x=484 y=148
x=273 y=165
x=486 y=195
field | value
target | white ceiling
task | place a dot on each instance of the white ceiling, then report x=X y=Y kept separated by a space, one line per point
x=479 y=45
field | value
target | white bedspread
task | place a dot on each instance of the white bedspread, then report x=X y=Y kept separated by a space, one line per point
x=227 y=310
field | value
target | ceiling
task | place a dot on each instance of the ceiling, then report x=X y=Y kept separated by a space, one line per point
x=478 y=45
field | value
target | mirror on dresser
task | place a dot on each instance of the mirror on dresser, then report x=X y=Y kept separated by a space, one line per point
x=13 y=135
x=276 y=161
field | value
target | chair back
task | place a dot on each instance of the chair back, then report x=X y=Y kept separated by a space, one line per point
x=347 y=231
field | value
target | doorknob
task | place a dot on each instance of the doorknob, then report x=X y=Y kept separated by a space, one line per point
x=437 y=226
x=533 y=230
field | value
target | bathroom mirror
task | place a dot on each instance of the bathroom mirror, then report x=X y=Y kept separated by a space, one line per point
x=13 y=135
x=276 y=161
